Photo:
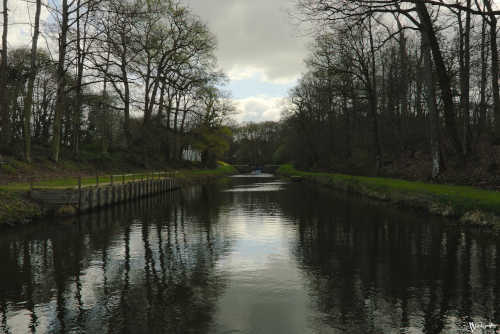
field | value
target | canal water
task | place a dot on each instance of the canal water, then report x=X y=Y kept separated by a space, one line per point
x=249 y=255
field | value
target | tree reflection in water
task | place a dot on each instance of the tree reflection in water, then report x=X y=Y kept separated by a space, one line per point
x=145 y=267
x=373 y=269
x=259 y=257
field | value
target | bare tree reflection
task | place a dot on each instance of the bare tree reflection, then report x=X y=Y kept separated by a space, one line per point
x=146 y=267
x=374 y=269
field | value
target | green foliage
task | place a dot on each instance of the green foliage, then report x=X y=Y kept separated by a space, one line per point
x=20 y=165
x=15 y=167
x=221 y=170
x=256 y=143
x=461 y=198
x=7 y=169
x=213 y=142
x=280 y=154
x=15 y=208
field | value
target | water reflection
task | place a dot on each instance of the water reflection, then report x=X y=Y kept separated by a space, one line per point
x=372 y=269
x=259 y=186
x=249 y=255
x=253 y=176
x=143 y=268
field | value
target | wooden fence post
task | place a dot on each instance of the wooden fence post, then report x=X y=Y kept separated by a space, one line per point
x=97 y=179
x=31 y=183
x=111 y=179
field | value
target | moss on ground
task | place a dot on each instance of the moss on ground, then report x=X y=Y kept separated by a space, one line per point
x=15 y=208
x=446 y=200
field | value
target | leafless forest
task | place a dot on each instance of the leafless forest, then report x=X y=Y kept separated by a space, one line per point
x=101 y=76
x=406 y=88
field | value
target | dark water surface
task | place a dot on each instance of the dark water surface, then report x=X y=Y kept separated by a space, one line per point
x=249 y=255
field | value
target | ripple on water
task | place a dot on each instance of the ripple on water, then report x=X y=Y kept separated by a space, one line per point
x=258 y=187
x=251 y=255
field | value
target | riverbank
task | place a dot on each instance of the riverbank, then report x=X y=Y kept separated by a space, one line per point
x=17 y=208
x=468 y=204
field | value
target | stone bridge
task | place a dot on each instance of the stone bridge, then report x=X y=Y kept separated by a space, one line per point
x=248 y=168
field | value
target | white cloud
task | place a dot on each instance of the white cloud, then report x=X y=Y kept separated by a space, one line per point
x=241 y=73
x=255 y=38
x=244 y=72
x=21 y=18
x=257 y=42
x=259 y=108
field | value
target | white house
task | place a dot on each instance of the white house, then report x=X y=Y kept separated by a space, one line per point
x=190 y=154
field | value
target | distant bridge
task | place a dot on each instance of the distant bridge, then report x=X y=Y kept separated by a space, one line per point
x=247 y=168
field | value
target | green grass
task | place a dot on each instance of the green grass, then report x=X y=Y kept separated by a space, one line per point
x=70 y=182
x=14 y=208
x=222 y=169
x=7 y=169
x=461 y=198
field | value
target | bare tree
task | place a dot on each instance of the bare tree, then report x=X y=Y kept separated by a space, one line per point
x=430 y=93
x=4 y=103
x=494 y=68
x=28 y=101
x=61 y=81
x=444 y=79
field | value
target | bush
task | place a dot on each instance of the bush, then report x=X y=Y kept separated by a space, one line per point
x=7 y=169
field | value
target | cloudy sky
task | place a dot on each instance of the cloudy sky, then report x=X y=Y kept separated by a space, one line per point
x=259 y=48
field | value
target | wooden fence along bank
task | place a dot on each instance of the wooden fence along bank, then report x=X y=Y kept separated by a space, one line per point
x=71 y=201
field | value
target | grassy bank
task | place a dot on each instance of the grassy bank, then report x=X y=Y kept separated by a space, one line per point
x=72 y=181
x=16 y=207
x=46 y=172
x=68 y=182
x=471 y=205
x=222 y=170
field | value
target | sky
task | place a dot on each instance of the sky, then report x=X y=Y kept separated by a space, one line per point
x=260 y=49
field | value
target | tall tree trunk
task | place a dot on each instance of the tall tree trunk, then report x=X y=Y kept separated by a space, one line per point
x=170 y=135
x=181 y=131
x=79 y=79
x=430 y=95
x=103 y=107
x=374 y=104
x=403 y=83
x=161 y=102
x=126 y=102
x=464 y=56
x=175 y=142
x=61 y=83
x=28 y=101
x=418 y=86
x=4 y=103
x=466 y=90
x=443 y=77
x=347 y=116
x=482 y=92
x=147 y=89
x=494 y=71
